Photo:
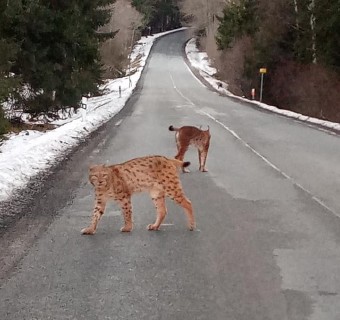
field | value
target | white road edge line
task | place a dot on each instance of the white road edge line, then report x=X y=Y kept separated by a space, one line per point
x=179 y=92
x=118 y=122
x=233 y=133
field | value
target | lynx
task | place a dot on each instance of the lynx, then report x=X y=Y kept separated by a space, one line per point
x=156 y=174
x=188 y=135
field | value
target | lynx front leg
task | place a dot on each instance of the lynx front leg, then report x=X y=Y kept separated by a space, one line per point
x=159 y=202
x=98 y=211
x=126 y=207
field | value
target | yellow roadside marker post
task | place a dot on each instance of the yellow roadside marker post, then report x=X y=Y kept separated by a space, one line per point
x=262 y=72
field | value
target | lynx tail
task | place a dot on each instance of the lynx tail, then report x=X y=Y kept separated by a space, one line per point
x=179 y=163
x=172 y=128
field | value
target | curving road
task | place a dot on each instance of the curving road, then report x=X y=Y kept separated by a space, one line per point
x=268 y=218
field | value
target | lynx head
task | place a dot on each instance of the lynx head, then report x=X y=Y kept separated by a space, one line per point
x=99 y=175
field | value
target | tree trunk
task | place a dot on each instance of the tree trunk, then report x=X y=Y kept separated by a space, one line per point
x=312 y=27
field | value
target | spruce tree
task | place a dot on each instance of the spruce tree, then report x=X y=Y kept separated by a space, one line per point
x=327 y=33
x=159 y=15
x=238 y=19
x=59 y=49
x=9 y=82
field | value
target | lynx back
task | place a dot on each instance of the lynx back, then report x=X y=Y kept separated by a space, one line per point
x=188 y=135
x=156 y=174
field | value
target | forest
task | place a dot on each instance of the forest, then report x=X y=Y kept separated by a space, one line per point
x=297 y=41
x=54 y=52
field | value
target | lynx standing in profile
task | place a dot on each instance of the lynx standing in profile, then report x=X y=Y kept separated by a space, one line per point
x=156 y=174
x=188 y=135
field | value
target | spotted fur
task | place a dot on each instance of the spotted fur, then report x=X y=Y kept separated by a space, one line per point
x=188 y=135
x=156 y=174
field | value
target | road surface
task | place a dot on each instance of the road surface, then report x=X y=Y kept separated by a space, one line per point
x=268 y=228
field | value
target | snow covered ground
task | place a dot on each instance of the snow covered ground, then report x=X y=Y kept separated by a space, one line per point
x=30 y=152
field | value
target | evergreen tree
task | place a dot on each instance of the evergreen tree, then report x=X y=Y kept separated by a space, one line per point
x=302 y=34
x=238 y=19
x=327 y=32
x=147 y=8
x=167 y=16
x=159 y=15
x=59 y=49
x=315 y=33
x=9 y=82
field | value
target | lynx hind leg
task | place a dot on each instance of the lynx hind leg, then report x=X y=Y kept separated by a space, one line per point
x=158 y=199
x=202 y=157
x=97 y=214
x=175 y=192
x=180 y=156
x=126 y=207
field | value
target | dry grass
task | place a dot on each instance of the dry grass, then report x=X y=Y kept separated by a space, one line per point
x=43 y=127
x=308 y=89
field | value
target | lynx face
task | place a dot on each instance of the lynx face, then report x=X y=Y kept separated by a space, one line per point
x=188 y=135
x=156 y=174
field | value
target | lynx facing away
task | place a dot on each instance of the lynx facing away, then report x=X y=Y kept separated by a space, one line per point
x=186 y=136
x=156 y=174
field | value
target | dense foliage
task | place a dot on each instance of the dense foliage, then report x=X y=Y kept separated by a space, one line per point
x=53 y=47
x=237 y=20
x=8 y=82
x=297 y=40
x=304 y=30
x=158 y=15
x=49 y=49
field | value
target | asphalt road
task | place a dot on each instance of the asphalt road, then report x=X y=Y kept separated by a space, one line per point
x=268 y=226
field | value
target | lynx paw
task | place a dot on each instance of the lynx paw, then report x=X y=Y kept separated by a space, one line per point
x=152 y=227
x=192 y=227
x=87 y=231
x=125 y=229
